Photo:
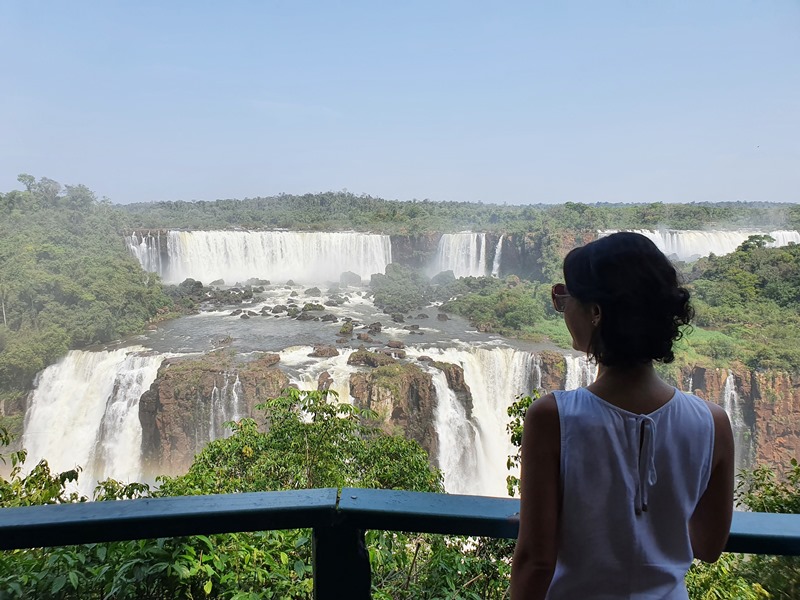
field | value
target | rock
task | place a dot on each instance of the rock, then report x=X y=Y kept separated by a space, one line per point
x=293 y=295
x=422 y=316
x=442 y=317
x=329 y=318
x=375 y=327
x=293 y=311
x=254 y=281
x=369 y=359
x=313 y=291
x=279 y=309
x=217 y=282
x=307 y=316
x=393 y=352
x=364 y=337
x=244 y=316
x=324 y=352
x=397 y=318
x=251 y=313
x=347 y=328
x=308 y=306
x=426 y=359
x=411 y=327
x=236 y=312
x=324 y=381
x=290 y=282
x=404 y=399
x=349 y=278
x=174 y=411
x=443 y=278
x=395 y=344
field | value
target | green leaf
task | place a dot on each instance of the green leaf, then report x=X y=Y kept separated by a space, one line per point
x=207 y=587
x=299 y=568
x=73 y=579
x=58 y=583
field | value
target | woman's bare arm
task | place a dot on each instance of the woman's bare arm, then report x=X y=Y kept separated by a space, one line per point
x=711 y=522
x=537 y=544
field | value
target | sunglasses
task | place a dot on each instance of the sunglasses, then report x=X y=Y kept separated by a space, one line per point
x=559 y=295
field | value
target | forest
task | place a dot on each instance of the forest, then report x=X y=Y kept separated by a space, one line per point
x=68 y=282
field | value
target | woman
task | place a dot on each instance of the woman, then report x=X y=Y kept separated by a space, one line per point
x=625 y=481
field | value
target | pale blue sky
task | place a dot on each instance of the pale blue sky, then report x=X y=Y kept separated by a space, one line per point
x=513 y=102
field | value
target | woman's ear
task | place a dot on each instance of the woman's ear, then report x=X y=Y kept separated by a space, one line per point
x=597 y=314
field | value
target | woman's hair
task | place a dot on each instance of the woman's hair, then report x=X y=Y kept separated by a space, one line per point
x=643 y=307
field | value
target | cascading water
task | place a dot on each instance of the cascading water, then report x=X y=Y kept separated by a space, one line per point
x=305 y=371
x=84 y=412
x=580 y=372
x=236 y=256
x=692 y=244
x=462 y=253
x=227 y=404
x=742 y=436
x=146 y=248
x=495 y=377
x=498 y=253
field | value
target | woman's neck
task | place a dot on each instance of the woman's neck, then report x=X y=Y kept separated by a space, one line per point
x=636 y=388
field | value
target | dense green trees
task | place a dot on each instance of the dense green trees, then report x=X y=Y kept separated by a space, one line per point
x=66 y=278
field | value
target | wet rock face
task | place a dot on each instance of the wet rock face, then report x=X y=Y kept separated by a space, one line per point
x=404 y=398
x=176 y=412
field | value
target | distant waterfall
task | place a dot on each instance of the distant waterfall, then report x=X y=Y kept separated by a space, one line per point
x=84 y=412
x=462 y=253
x=146 y=248
x=495 y=377
x=498 y=252
x=742 y=436
x=227 y=404
x=235 y=256
x=580 y=372
x=692 y=244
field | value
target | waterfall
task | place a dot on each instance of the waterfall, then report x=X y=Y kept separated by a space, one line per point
x=457 y=434
x=227 y=404
x=462 y=253
x=146 y=248
x=236 y=256
x=84 y=412
x=498 y=251
x=304 y=371
x=580 y=372
x=495 y=377
x=690 y=384
x=692 y=244
x=742 y=436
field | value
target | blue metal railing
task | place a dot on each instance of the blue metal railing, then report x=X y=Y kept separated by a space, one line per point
x=341 y=564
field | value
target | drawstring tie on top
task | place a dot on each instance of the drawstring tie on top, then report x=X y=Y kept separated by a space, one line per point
x=646 y=472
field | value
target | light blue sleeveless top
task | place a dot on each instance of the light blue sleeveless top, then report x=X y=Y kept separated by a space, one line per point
x=630 y=483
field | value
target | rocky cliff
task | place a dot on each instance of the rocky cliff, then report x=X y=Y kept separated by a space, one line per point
x=178 y=413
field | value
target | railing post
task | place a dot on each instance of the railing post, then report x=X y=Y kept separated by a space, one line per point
x=341 y=563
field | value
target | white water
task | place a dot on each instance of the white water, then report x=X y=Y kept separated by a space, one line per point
x=462 y=253
x=495 y=377
x=305 y=370
x=235 y=256
x=498 y=252
x=580 y=372
x=227 y=404
x=84 y=412
x=692 y=244
x=732 y=404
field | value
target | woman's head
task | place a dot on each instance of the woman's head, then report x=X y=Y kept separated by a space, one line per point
x=630 y=306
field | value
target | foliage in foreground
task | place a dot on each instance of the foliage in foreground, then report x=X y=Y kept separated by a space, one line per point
x=312 y=441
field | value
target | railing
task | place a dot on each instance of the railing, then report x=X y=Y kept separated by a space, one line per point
x=340 y=561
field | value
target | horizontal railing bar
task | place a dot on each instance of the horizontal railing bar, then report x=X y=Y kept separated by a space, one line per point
x=765 y=533
x=751 y=533
x=89 y=522
x=65 y=524
x=424 y=512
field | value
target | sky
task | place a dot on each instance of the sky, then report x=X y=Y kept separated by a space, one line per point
x=506 y=102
